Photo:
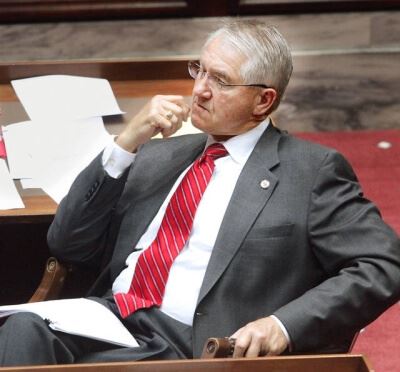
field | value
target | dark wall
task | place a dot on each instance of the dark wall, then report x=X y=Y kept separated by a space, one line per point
x=13 y=11
x=23 y=253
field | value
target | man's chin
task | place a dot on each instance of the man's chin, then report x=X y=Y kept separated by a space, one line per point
x=198 y=123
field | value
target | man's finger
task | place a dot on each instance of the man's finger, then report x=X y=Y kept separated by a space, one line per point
x=241 y=345
x=254 y=349
x=160 y=122
x=180 y=111
x=172 y=97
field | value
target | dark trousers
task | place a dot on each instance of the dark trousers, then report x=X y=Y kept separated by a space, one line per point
x=25 y=339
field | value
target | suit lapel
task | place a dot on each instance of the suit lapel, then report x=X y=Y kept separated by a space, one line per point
x=161 y=161
x=150 y=180
x=254 y=187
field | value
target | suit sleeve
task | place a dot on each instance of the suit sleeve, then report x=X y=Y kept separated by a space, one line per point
x=79 y=230
x=359 y=253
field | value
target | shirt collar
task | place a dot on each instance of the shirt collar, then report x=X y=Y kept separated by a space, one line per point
x=241 y=146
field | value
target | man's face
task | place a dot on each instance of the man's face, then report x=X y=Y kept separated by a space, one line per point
x=223 y=112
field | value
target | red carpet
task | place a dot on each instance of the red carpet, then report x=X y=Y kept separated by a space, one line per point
x=378 y=170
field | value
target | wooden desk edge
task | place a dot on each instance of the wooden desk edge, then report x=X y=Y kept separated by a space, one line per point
x=168 y=67
x=38 y=208
x=344 y=363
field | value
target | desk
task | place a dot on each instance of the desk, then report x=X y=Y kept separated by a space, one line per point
x=23 y=249
x=314 y=363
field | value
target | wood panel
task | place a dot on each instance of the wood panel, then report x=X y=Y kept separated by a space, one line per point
x=256 y=7
x=56 y=10
x=12 y=11
x=38 y=208
x=331 y=363
x=135 y=69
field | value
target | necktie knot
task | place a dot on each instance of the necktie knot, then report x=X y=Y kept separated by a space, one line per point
x=215 y=151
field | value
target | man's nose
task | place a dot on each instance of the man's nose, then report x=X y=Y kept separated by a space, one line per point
x=201 y=87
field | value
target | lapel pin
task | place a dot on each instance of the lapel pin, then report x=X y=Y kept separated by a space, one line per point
x=264 y=184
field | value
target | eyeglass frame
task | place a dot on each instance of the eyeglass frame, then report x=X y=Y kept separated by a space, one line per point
x=219 y=82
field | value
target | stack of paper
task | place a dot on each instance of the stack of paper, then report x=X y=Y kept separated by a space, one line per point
x=79 y=316
x=65 y=133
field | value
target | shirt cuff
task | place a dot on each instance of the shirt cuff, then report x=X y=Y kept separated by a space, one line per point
x=285 y=332
x=116 y=160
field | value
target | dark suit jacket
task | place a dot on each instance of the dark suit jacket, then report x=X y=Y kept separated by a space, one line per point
x=308 y=248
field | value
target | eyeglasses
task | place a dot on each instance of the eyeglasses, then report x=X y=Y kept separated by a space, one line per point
x=196 y=72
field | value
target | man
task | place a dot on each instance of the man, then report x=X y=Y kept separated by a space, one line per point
x=272 y=241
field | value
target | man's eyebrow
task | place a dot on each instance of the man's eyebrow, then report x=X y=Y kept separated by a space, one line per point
x=222 y=75
x=217 y=73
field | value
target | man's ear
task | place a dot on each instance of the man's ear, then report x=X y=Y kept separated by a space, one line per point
x=265 y=101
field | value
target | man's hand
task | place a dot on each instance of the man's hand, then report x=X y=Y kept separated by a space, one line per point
x=161 y=114
x=261 y=337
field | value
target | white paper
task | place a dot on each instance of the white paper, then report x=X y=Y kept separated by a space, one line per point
x=29 y=183
x=65 y=133
x=9 y=197
x=79 y=316
x=62 y=150
x=64 y=96
x=18 y=138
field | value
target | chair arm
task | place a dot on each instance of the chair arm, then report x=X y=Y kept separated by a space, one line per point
x=218 y=348
x=52 y=281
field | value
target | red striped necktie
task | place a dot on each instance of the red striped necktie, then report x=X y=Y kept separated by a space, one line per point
x=153 y=265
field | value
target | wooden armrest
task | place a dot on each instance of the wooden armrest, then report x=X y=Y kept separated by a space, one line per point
x=52 y=281
x=223 y=347
x=218 y=348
